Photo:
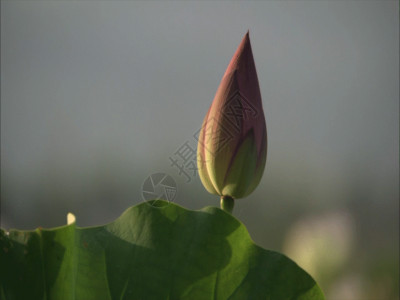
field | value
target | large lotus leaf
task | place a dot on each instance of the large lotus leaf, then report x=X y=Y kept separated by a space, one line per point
x=163 y=252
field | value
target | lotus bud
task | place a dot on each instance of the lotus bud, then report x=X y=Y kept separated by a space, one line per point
x=232 y=142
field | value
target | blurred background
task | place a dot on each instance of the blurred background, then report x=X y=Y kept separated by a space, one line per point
x=97 y=95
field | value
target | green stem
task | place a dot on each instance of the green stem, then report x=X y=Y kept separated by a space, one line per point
x=227 y=203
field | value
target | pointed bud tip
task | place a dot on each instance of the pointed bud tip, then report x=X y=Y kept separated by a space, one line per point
x=247 y=36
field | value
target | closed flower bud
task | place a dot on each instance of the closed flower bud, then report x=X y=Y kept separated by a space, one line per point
x=232 y=143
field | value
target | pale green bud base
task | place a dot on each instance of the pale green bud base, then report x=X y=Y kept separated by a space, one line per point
x=227 y=203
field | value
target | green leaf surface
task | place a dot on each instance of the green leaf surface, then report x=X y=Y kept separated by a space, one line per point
x=163 y=252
